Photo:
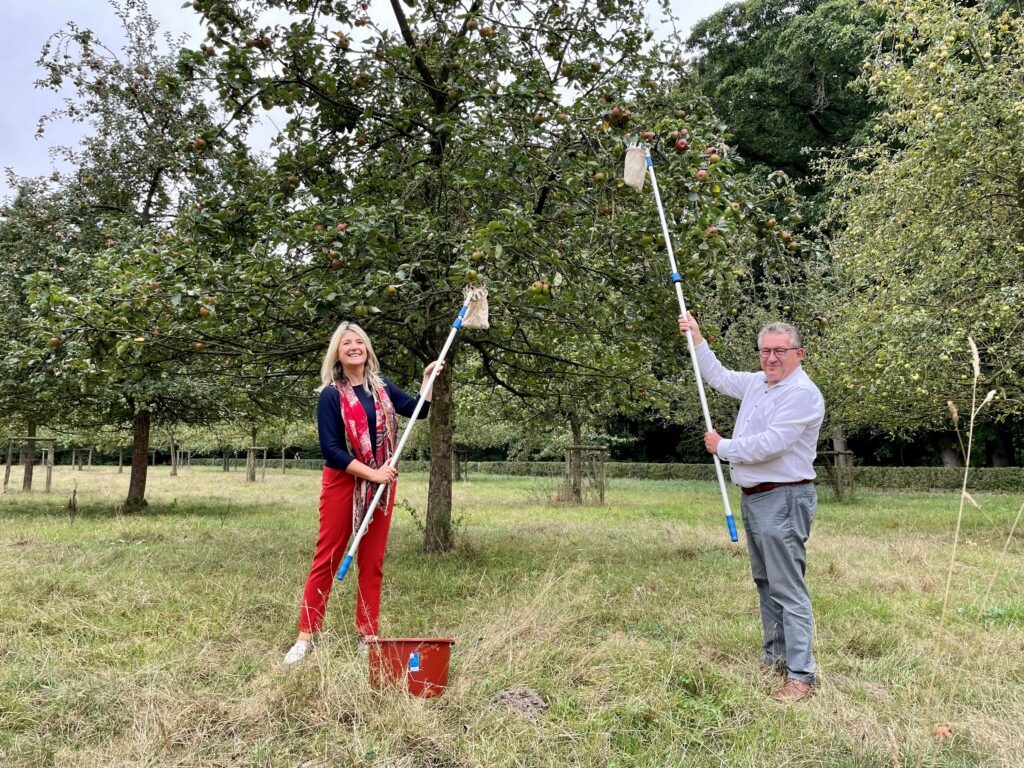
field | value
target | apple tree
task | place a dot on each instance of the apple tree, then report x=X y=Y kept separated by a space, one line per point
x=137 y=331
x=929 y=215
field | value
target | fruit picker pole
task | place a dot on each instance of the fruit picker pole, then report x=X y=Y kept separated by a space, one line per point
x=678 y=280
x=393 y=461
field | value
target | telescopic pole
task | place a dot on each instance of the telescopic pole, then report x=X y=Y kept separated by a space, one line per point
x=678 y=280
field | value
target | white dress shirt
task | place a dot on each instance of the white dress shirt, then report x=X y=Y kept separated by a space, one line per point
x=776 y=433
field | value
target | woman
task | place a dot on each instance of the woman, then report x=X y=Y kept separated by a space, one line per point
x=356 y=422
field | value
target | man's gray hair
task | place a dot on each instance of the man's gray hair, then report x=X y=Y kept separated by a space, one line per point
x=794 y=335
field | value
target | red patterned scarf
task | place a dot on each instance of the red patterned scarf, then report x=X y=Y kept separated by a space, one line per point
x=357 y=441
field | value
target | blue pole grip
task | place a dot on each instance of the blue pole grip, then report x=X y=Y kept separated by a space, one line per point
x=462 y=314
x=348 y=561
x=676 y=277
x=731 y=522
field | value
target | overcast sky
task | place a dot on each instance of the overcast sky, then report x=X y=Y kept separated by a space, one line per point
x=27 y=25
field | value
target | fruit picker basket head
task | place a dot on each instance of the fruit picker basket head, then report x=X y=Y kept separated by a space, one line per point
x=476 y=313
x=636 y=167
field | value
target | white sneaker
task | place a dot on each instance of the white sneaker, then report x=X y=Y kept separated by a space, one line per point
x=297 y=652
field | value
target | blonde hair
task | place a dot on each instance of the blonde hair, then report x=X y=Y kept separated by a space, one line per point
x=331 y=369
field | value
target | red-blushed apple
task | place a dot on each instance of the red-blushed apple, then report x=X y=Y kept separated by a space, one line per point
x=682 y=145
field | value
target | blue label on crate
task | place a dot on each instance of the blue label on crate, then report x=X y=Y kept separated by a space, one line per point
x=414 y=661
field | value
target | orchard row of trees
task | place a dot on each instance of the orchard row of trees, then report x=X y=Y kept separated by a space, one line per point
x=855 y=168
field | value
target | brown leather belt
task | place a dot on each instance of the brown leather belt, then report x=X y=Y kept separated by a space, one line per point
x=762 y=487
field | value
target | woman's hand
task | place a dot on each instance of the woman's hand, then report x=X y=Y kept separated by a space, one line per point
x=383 y=475
x=439 y=364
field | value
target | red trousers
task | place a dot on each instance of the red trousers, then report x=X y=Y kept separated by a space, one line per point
x=335 y=531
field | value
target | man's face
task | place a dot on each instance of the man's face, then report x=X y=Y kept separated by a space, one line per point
x=778 y=365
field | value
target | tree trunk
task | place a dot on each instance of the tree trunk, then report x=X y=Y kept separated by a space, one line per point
x=456 y=467
x=575 y=464
x=282 y=461
x=140 y=449
x=174 y=457
x=120 y=460
x=89 y=463
x=1001 y=448
x=950 y=454
x=838 y=445
x=30 y=458
x=224 y=458
x=250 y=460
x=438 y=534
x=7 y=468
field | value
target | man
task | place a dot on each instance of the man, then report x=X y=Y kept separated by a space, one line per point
x=770 y=457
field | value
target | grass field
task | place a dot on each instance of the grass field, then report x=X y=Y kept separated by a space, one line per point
x=156 y=639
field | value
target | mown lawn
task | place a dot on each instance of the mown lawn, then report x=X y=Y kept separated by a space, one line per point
x=155 y=639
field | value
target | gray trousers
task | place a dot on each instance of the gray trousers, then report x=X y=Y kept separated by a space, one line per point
x=777 y=524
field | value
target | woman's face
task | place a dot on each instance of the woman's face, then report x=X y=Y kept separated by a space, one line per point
x=352 y=350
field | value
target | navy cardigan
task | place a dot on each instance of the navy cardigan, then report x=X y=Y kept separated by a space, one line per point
x=332 y=430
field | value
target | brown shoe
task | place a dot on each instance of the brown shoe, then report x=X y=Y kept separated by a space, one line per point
x=793 y=691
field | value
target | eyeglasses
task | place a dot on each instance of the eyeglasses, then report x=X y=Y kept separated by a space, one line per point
x=779 y=352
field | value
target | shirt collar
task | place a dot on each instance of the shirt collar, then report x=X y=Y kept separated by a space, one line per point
x=791 y=379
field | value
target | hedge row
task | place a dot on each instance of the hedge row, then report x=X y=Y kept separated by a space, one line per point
x=1008 y=479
